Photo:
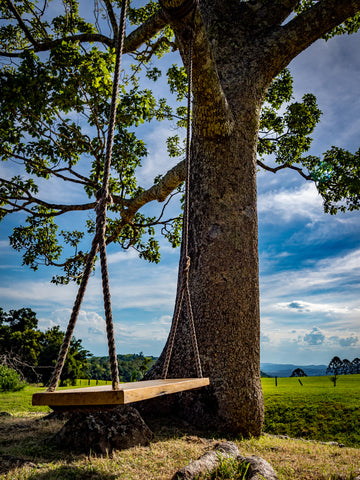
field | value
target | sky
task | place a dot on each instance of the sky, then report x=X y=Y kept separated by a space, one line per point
x=309 y=260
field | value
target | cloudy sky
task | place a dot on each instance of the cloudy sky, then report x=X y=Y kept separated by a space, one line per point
x=309 y=261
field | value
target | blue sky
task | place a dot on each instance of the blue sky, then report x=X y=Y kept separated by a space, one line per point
x=309 y=261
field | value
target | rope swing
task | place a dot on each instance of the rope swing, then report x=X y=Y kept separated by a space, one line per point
x=103 y=198
x=133 y=391
x=184 y=279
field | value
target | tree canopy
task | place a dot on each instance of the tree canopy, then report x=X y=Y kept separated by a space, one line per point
x=55 y=80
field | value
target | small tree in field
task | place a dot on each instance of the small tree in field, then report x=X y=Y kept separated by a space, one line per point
x=335 y=368
x=298 y=372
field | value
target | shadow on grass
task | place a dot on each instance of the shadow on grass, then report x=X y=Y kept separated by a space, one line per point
x=27 y=442
x=73 y=473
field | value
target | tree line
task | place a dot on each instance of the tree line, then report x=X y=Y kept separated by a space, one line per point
x=33 y=353
x=343 y=367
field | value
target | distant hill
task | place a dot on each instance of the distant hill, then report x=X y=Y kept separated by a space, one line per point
x=286 y=369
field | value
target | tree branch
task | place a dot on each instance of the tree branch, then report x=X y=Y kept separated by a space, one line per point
x=172 y=179
x=132 y=42
x=49 y=44
x=211 y=108
x=144 y=32
x=297 y=35
x=112 y=17
x=21 y=23
x=281 y=167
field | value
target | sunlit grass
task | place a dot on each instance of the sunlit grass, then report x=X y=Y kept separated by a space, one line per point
x=315 y=410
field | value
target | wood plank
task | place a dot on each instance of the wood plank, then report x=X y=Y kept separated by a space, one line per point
x=127 y=393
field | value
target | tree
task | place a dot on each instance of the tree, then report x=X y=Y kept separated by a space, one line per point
x=346 y=367
x=20 y=341
x=298 y=372
x=76 y=364
x=33 y=353
x=355 y=365
x=335 y=368
x=60 y=68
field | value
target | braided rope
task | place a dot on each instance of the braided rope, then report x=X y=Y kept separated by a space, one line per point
x=184 y=290
x=99 y=243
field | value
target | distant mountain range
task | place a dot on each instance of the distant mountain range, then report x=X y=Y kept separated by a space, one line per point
x=286 y=369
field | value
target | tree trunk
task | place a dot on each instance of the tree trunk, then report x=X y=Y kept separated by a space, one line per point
x=223 y=240
x=223 y=282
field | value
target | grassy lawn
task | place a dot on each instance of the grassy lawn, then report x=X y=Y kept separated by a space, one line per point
x=315 y=410
x=19 y=403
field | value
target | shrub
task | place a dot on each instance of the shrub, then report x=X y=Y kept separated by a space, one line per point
x=10 y=380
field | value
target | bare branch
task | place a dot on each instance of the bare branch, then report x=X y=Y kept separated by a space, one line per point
x=281 y=167
x=21 y=23
x=111 y=14
x=49 y=44
x=38 y=20
x=172 y=179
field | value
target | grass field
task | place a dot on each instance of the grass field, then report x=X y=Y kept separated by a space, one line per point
x=315 y=410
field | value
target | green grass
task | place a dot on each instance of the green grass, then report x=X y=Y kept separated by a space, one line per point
x=317 y=410
x=19 y=402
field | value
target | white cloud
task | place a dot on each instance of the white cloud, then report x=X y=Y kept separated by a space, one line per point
x=129 y=335
x=300 y=306
x=328 y=273
x=290 y=204
x=305 y=346
x=122 y=256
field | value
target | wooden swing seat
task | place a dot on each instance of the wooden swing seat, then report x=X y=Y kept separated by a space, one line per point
x=104 y=395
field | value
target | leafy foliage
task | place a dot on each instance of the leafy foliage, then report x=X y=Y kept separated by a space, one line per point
x=54 y=107
x=54 y=111
x=10 y=380
x=34 y=353
x=132 y=367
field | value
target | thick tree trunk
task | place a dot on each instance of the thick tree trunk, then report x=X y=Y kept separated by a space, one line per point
x=223 y=238
x=223 y=281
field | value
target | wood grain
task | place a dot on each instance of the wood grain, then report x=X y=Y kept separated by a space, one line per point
x=127 y=393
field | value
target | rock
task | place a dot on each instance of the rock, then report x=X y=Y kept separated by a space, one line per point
x=259 y=469
x=104 y=431
x=5 y=414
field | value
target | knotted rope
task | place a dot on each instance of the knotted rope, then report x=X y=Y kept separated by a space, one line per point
x=99 y=243
x=184 y=277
